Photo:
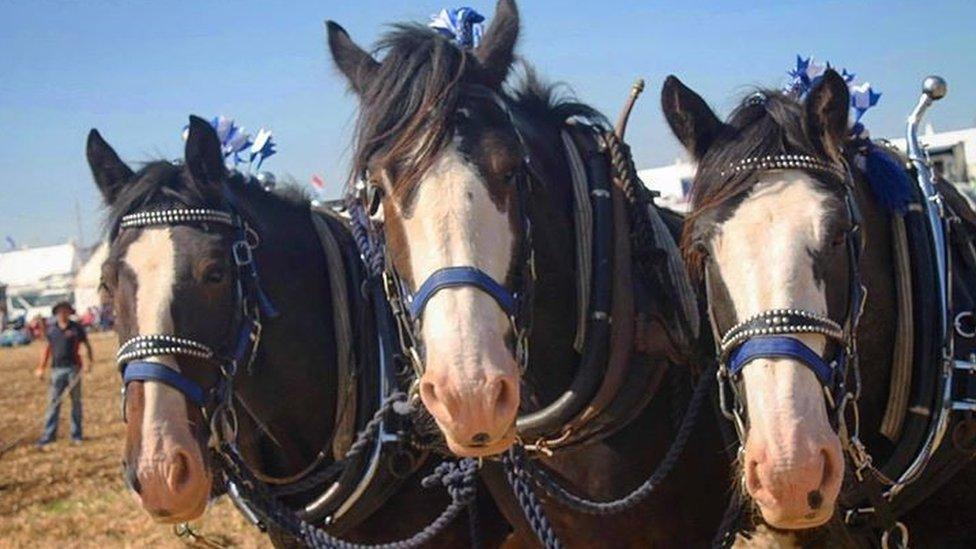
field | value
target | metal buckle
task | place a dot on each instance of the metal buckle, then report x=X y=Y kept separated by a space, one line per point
x=242 y=253
x=958 y=323
x=902 y=536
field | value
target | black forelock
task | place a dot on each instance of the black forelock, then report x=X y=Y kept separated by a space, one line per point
x=774 y=125
x=162 y=184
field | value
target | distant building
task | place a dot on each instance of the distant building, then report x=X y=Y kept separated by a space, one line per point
x=672 y=181
x=953 y=155
x=37 y=278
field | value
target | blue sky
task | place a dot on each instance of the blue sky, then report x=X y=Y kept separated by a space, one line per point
x=136 y=70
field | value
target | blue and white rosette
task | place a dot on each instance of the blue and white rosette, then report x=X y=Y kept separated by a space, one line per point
x=241 y=151
x=463 y=25
x=808 y=73
x=885 y=176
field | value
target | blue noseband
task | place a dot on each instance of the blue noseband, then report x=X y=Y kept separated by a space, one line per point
x=153 y=371
x=783 y=347
x=454 y=277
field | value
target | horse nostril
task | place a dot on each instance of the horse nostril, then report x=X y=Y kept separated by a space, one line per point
x=480 y=439
x=131 y=478
x=814 y=499
x=179 y=474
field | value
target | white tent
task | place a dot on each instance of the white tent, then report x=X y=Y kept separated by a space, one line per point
x=89 y=278
x=41 y=267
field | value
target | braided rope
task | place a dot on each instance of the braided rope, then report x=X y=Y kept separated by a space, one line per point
x=460 y=480
x=369 y=249
x=642 y=232
x=593 y=507
x=357 y=448
x=532 y=509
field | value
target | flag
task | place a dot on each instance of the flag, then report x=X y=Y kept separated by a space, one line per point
x=318 y=182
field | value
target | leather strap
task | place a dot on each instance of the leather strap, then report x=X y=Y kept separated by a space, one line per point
x=780 y=347
x=154 y=371
x=454 y=277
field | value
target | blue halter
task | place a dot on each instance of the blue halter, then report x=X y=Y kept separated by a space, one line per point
x=153 y=371
x=455 y=277
x=784 y=347
x=252 y=300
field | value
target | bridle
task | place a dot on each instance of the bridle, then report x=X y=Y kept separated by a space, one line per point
x=252 y=304
x=408 y=306
x=767 y=333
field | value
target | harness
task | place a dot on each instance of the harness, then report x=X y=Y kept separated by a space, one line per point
x=408 y=306
x=881 y=492
x=251 y=305
x=373 y=466
x=766 y=334
x=595 y=158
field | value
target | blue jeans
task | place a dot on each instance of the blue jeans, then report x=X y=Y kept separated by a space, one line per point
x=61 y=377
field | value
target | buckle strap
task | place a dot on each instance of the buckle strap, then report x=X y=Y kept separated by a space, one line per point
x=153 y=371
x=454 y=277
x=781 y=347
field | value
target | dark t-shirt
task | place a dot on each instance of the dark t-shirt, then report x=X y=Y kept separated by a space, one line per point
x=64 y=343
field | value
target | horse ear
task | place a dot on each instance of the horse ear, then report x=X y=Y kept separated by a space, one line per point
x=111 y=174
x=690 y=118
x=827 y=107
x=497 y=50
x=356 y=64
x=203 y=156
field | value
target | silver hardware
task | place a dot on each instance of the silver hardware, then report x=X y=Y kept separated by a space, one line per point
x=902 y=531
x=960 y=326
x=242 y=253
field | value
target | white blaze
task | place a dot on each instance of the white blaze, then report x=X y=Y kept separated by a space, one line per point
x=152 y=258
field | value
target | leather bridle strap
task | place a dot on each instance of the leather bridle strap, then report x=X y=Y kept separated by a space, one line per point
x=455 y=277
x=154 y=371
x=783 y=347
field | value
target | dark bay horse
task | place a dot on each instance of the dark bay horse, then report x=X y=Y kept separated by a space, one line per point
x=175 y=277
x=789 y=238
x=442 y=147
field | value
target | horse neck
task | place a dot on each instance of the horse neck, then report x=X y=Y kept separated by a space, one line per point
x=291 y=386
x=876 y=332
x=549 y=203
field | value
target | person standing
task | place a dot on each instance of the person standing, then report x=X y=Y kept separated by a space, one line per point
x=64 y=340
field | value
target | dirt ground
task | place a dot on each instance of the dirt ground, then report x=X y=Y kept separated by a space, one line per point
x=73 y=496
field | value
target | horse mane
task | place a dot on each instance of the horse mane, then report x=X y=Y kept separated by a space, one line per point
x=774 y=126
x=410 y=104
x=162 y=184
x=553 y=103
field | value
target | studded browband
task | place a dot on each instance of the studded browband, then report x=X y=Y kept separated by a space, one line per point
x=172 y=217
x=780 y=322
x=784 y=162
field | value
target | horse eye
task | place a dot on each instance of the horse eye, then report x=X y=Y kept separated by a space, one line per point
x=214 y=275
x=839 y=239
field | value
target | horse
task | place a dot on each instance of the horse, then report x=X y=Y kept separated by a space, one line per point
x=196 y=253
x=476 y=196
x=790 y=236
